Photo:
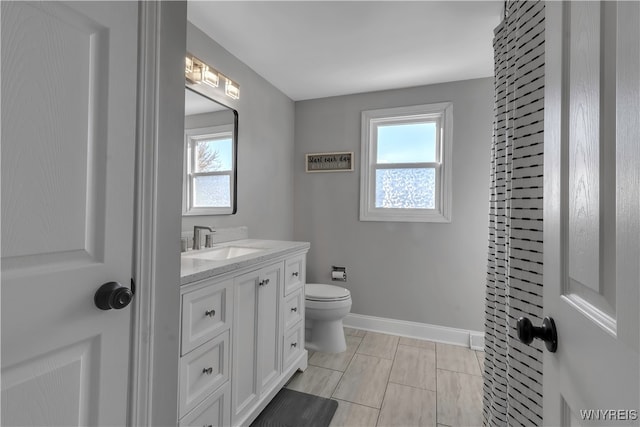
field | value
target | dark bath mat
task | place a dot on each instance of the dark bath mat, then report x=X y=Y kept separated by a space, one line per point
x=290 y=408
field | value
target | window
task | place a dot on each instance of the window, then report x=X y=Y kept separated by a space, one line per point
x=406 y=164
x=209 y=171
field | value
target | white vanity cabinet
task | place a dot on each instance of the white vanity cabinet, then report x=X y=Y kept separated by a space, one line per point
x=242 y=338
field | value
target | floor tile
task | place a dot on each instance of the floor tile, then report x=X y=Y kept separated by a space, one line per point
x=379 y=345
x=407 y=407
x=352 y=415
x=459 y=398
x=317 y=381
x=354 y=332
x=365 y=380
x=385 y=380
x=480 y=356
x=414 y=366
x=456 y=358
x=337 y=361
x=417 y=343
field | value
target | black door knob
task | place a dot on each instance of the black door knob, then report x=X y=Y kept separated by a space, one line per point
x=112 y=295
x=547 y=332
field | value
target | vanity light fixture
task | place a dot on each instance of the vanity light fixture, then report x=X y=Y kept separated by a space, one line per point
x=210 y=76
x=193 y=69
x=196 y=72
x=232 y=89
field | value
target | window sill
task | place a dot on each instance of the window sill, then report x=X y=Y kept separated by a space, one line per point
x=209 y=211
x=405 y=216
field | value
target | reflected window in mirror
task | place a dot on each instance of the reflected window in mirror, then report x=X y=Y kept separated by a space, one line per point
x=210 y=160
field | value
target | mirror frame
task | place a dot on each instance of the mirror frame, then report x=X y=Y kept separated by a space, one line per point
x=201 y=90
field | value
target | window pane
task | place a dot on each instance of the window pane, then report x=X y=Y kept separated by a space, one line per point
x=406 y=188
x=213 y=155
x=212 y=191
x=407 y=143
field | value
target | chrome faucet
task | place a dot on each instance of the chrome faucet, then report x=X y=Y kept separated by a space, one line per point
x=196 y=235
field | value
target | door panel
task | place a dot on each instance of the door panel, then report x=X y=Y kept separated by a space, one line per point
x=591 y=211
x=68 y=141
x=46 y=54
x=591 y=285
x=70 y=369
x=269 y=325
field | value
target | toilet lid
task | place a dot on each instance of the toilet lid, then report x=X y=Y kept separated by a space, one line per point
x=320 y=292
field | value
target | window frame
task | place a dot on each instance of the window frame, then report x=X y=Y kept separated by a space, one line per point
x=442 y=114
x=191 y=138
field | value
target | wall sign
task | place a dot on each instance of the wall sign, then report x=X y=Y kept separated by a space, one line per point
x=330 y=162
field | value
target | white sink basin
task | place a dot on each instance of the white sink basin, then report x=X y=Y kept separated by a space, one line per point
x=221 y=254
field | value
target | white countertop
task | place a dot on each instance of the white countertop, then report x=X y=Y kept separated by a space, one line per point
x=194 y=269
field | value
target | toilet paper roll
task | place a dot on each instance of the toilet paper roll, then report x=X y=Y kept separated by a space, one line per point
x=339 y=275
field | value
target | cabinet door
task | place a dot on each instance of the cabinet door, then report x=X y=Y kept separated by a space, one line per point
x=293 y=345
x=269 y=353
x=205 y=313
x=244 y=390
x=213 y=412
x=293 y=310
x=203 y=370
x=257 y=349
x=294 y=274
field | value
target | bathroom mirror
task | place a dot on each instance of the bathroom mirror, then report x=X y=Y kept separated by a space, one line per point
x=210 y=155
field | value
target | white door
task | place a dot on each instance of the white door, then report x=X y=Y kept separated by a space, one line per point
x=68 y=139
x=591 y=212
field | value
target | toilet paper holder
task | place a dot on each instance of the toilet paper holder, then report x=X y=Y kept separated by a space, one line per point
x=338 y=273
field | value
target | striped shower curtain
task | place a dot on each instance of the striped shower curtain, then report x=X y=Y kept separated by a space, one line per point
x=513 y=371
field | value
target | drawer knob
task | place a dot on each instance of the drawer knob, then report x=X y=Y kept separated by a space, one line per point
x=294 y=309
x=294 y=344
x=207 y=371
x=295 y=273
x=264 y=282
x=210 y=313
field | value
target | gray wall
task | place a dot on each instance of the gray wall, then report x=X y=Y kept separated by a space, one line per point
x=422 y=272
x=265 y=147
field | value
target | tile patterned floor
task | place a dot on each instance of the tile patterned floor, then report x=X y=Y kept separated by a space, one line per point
x=384 y=380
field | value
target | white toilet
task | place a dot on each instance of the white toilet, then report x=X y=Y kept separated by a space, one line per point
x=325 y=307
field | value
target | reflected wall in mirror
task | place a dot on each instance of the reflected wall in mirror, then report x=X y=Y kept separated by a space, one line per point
x=210 y=155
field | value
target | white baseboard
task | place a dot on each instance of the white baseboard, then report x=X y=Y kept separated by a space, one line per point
x=423 y=331
x=476 y=340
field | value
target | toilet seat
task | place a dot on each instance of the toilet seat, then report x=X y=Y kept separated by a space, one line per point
x=321 y=292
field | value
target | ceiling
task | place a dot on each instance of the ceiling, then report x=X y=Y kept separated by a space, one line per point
x=316 y=49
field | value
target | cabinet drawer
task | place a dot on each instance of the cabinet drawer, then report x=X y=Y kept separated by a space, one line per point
x=293 y=345
x=293 y=308
x=294 y=274
x=213 y=412
x=203 y=370
x=205 y=314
